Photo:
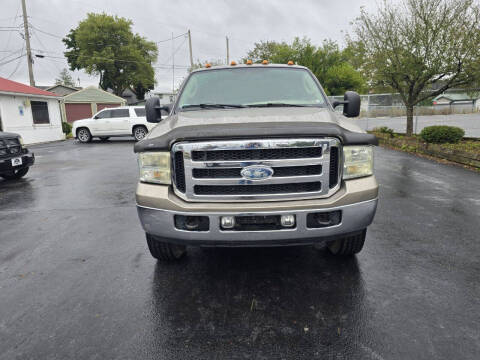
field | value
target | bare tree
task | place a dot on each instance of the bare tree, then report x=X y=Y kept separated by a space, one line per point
x=421 y=48
x=64 y=78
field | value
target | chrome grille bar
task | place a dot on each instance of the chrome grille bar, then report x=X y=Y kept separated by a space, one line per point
x=286 y=147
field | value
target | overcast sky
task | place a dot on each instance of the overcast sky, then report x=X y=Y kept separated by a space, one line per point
x=244 y=22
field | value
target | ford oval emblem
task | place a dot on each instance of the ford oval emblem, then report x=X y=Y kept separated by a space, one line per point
x=257 y=172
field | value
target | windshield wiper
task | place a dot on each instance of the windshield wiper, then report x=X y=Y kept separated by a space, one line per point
x=213 y=106
x=277 y=105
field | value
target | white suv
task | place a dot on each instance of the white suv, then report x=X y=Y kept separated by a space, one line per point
x=119 y=121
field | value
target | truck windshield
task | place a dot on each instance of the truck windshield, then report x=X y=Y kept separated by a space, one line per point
x=250 y=87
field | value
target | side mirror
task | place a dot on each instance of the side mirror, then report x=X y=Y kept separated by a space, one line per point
x=153 y=110
x=95 y=117
x=351 y=104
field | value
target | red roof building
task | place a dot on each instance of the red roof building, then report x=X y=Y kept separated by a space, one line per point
x=9 y=86
x=33 y=113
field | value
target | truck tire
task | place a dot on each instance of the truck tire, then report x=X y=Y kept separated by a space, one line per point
x=139 y=132
x=15 y=174
x=165 y=251
x=348 y=245
x=83 y=135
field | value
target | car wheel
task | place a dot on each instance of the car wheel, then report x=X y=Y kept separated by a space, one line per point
x=15 y=174
x=348 y=245
x=165 y=251
x=139 y=132
x=104 y=138
x=83 y=135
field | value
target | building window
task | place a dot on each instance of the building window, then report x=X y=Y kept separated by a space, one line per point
x=40 y=112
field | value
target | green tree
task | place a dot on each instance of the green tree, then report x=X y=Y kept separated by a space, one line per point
x=64 y=78
x=343 y=77
x=421 y=48
x=105 y=45
x=327 y=62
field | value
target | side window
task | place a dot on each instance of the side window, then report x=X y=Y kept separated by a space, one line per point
x=119 y=113
x=105 y=114
x=40 y=112
x=140 y=112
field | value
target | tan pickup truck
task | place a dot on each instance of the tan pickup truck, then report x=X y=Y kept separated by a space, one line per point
x=255 y=155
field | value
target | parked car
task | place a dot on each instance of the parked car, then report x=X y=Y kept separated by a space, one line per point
x=15 y=159
x=255 y=155
x=119 y=121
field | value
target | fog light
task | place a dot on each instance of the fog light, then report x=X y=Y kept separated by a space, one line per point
x=227 y=222
x=287 y=220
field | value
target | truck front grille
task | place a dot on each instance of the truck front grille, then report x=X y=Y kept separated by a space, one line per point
x=10 y=147
x=212 y=171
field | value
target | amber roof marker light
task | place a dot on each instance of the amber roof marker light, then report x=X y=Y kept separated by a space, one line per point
x=207 y=65
x=249 y=62
x=290 y=62
x=265 y=62
x=233 y=63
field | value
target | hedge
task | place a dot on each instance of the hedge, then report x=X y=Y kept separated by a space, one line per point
x=441 y=134
x=66 y=128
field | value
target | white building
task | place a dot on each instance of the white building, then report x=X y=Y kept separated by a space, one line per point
x=31 y=112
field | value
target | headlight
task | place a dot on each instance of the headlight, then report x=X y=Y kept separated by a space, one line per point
x=20 y=140
x=155 y=167
x=357 y=161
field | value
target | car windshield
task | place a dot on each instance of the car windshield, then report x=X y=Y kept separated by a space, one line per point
x=245 y=87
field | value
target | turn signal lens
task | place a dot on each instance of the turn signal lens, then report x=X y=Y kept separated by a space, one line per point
x=358 y=161
x=290 y=62
x=265 y=62
x=207 y=65
x=155 y=167
x=233 y=63
x=249 y=62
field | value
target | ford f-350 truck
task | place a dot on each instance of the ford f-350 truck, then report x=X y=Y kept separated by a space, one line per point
x=255 y=155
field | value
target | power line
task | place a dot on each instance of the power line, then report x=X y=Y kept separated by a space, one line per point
x=171 y=38
x=9 y=61
x=17 y=66
x=46 y=33
x=160 y=66
x=14 y=19
x=12 y=53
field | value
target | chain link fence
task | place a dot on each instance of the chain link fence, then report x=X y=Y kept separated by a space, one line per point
x=388 y=110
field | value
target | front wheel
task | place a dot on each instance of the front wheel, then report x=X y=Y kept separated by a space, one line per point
x=139 y=132
x=348 y=245
x=165 y=251
x=83 y=135
x=15 y=174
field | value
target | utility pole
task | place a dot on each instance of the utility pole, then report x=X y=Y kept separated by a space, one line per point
x=190 y=48
x=173 y=66
x=228 y=51
x=27 y=41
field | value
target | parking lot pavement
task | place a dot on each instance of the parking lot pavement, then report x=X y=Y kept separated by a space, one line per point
x=77 y=282
x=468 y=122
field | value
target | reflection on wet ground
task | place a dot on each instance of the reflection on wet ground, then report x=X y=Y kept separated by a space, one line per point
x=76 y=279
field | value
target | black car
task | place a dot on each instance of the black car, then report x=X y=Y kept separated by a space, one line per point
x=15 y=159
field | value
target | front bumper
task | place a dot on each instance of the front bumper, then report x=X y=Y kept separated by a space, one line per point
x=28 y=159
x=357 y=200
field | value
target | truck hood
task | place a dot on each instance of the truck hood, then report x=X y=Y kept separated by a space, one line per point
x=252 y=123
x=8 y=135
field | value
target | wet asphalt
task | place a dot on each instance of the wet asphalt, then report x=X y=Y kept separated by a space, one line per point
x=77 y=281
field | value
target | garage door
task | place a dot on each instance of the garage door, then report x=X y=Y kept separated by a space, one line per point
x=78 y=111
x=103 y=106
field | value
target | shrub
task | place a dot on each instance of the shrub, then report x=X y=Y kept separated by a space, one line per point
x=66 y=128
x=441 y=134
x=384 y=130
